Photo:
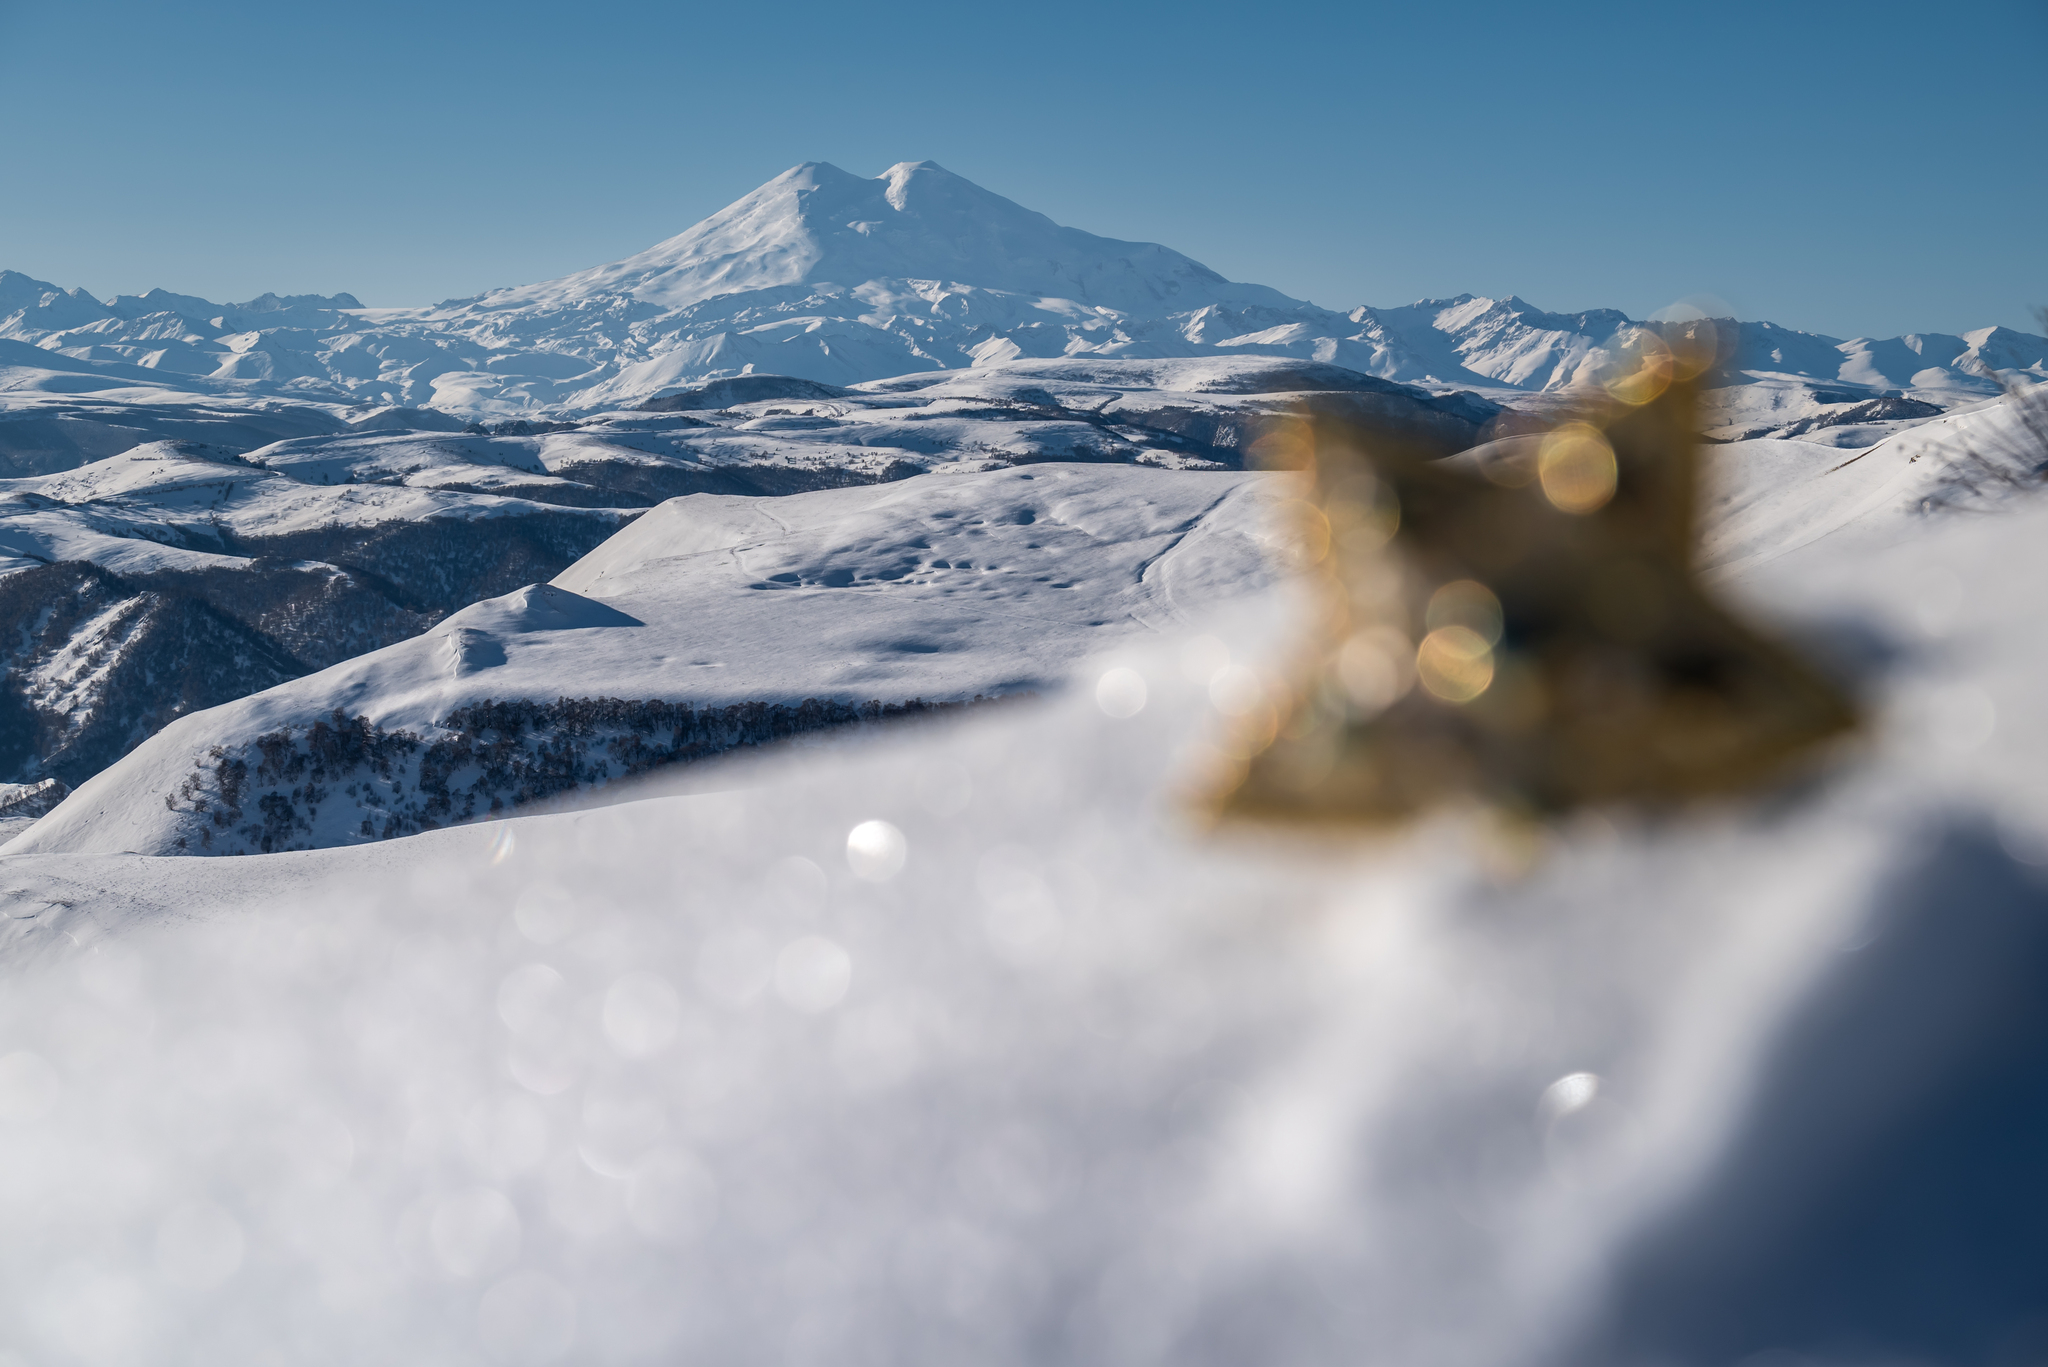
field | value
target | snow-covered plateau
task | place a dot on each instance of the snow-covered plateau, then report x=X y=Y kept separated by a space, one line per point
x=553 y=1015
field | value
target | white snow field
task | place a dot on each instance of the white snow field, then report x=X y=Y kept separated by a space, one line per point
x=976 y=1042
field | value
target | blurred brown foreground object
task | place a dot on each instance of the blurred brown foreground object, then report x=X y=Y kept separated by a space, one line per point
x=1521 y=625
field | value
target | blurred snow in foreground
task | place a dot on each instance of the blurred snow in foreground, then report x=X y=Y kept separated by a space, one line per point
x=970 y=1043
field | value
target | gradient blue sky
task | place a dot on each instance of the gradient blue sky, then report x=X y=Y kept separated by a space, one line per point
x=1844 y=168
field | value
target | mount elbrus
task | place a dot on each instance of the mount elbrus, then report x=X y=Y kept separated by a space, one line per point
x=840 y=279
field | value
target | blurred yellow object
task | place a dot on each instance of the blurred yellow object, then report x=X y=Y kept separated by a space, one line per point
x=1541 y=593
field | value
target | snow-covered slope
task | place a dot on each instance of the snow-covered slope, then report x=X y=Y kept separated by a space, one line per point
x=973 y=1044
x=711 y=622
x=844 y=279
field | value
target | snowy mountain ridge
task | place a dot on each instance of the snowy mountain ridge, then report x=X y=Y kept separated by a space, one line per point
x=837 y=278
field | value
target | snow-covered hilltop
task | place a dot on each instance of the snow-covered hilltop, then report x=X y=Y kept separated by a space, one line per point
x=841 y=279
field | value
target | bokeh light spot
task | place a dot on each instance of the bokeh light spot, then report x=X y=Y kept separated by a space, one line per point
x=1376 y=668
x=1572 y=1092
x=1577 y=468
x=1466 y=603
x=876 y=851
x=1455 y=663
x=1120 y=692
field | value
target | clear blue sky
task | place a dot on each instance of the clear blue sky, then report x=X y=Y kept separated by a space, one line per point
x=1868 y=168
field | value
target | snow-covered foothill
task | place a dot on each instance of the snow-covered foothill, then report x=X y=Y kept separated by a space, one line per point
x=710 y=622
x=740 y=612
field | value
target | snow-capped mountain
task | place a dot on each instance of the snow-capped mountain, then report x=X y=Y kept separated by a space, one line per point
x=816 y=225
x=842 y=279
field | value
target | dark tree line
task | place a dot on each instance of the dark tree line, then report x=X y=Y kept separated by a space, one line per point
x=487 y=758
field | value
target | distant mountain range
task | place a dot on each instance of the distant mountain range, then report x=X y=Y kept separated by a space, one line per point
x=837 y=278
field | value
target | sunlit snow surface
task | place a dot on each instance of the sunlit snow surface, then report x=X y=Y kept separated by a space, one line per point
x=972 y=1043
